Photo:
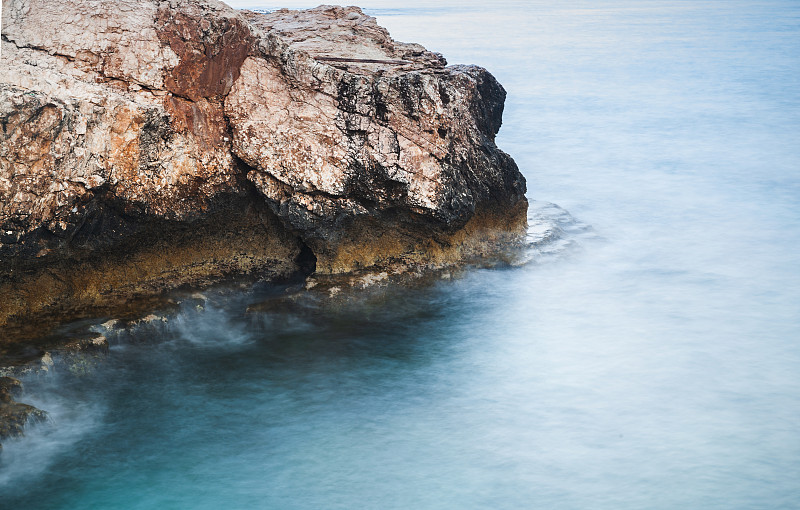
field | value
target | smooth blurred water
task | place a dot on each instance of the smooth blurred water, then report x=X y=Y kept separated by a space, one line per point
x=655 y=364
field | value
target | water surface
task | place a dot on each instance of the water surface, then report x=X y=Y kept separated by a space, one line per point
x=653 y=362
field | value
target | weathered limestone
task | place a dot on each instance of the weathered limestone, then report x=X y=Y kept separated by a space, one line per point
x=147 y=144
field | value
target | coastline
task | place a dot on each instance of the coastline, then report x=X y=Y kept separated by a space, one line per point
x=192 y=143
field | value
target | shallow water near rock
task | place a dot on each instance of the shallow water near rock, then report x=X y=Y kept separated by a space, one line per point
x=645 y=356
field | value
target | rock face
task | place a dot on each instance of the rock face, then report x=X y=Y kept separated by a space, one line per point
x=146 y=144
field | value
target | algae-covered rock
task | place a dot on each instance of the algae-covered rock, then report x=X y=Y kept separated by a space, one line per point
x=14 y=416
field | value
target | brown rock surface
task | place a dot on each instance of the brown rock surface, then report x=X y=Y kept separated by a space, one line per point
x=146 y=144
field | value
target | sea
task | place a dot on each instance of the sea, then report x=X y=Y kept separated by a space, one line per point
x=644 y=353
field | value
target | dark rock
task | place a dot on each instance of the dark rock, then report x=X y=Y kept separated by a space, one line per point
x=14 y=416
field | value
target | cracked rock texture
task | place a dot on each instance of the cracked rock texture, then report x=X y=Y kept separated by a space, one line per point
x=146 y=144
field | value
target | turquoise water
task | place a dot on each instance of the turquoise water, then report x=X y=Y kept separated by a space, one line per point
x=653 y=362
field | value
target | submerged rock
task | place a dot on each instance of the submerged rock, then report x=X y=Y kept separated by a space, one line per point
x=14 y=416
x=150 y=144
x=81 y=356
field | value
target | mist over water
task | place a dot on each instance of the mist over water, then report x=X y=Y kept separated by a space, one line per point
x=650 y=361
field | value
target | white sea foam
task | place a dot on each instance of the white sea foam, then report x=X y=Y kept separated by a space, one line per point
x=70 y=419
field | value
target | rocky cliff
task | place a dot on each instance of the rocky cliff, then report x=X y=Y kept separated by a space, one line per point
x=147 y=144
